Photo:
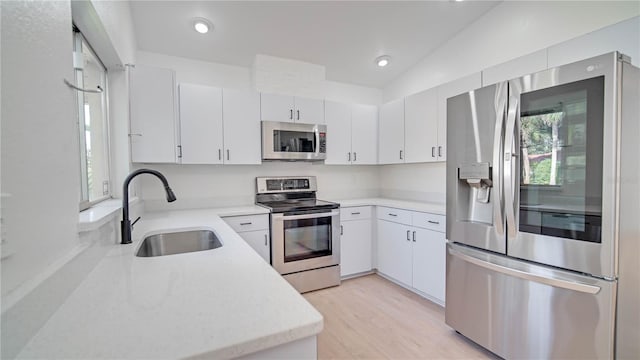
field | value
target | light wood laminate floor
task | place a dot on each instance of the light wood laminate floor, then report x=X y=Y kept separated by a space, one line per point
x=370 y=317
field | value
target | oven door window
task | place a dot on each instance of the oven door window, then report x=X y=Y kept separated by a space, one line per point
x=307 y=238
x=294 y=141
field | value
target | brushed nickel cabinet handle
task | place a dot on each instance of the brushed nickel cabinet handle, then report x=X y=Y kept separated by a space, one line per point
x=414 y=236
x=408 y=231
x=219 y=154
x=439 y=151
x=355 y=213
x=433 y=222
x=390 y=214
x=433 y=151
x=341 y=230
x=298 y=113
x=349 y=157
x=227 y=154
x=290 y=114
x=355 y=156
x=246 y=223
x=265 y=240
x=400 y=154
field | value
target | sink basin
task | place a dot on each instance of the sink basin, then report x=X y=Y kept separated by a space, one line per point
x=178 y=243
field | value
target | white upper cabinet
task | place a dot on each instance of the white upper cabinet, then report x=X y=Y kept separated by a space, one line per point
x=421 y=127
x=623 y=36
x=201 y=135
x=515 y=68
x=241 y=118
x=391 y=132
x=153 y=122
x=351 y=133
x=309 y=111
x=286 y=108
x=338 y=121
x=276 y=107
x=364 y=134
x=219 y=126
x=448 y=90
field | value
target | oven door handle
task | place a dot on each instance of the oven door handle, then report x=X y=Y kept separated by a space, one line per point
x=310 y=216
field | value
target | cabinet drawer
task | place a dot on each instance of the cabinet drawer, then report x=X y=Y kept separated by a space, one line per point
x=355 y=213
x=395 y=215
x=429 y=221
x=248 y=222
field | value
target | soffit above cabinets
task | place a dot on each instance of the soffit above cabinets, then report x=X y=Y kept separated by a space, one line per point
x=343 y=36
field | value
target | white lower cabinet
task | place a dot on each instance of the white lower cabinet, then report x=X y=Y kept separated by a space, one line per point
x=412 y=255
x=355 y=240
x=259 y=241
x=254 y=229
x=395 y=251
x=429 y=267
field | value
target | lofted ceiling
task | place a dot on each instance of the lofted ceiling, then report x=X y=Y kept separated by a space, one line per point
x=343 y=36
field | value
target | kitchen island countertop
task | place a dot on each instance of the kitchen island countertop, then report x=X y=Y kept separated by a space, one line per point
x=219 y=303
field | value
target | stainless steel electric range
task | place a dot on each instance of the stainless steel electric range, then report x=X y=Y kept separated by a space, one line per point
x=305 y=231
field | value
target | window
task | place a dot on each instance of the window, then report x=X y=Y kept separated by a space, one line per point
x=93 y=124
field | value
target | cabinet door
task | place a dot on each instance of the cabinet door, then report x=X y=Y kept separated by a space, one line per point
x=153 y=115
x=391 y=133
x=623 y=36
x=309 y=111
x=448 y=90
x=429 y=263
x=364 y=134
x=200 y=124
x=394 y=251
x=260 y=242
x=241 y=118
x=421 y=127
x=276 y=107
x=338 y=120
x=355 y=247
x=521 y=66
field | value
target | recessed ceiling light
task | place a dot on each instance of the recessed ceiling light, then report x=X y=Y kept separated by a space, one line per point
x=383 y=60
x=201 y=25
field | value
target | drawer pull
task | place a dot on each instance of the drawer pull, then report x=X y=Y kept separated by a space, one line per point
x=355 y=213
x=433 y=222
x=247 y=223
x=390 y=214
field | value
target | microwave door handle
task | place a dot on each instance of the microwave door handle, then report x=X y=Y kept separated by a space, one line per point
x=310 y=216
x=510 y=166
x=316 y=133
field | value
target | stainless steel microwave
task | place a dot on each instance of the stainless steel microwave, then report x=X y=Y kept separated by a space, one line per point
x=293 y=141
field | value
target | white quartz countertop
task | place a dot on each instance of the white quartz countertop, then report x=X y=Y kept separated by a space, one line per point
x=432 y=208
x=220 y=303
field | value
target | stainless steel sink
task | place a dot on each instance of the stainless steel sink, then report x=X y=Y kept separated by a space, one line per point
x=178 y=243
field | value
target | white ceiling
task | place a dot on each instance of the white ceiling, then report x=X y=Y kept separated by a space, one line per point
x=343 y=36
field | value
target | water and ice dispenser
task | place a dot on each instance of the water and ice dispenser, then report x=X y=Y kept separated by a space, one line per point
x=478 y=177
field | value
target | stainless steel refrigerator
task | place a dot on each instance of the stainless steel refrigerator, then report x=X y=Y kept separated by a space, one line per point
x=543 y=213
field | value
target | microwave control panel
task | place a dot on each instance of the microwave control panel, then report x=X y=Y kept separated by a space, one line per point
x=323 y=142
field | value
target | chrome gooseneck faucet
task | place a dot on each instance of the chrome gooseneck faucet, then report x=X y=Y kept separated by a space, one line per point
x=125 y=224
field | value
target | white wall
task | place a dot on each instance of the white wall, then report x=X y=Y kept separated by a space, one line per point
x=198 y=186
x=237 y=77
x=512 y=29
x=40 y=163
x=40 y=177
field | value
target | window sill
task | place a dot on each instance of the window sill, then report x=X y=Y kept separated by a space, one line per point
x=100 y=214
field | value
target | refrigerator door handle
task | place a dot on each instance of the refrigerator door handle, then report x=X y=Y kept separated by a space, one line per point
x=510 y=167
x=498 y=163
x=565 y=284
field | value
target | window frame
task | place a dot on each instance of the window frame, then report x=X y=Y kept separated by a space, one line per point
x=80 y=43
